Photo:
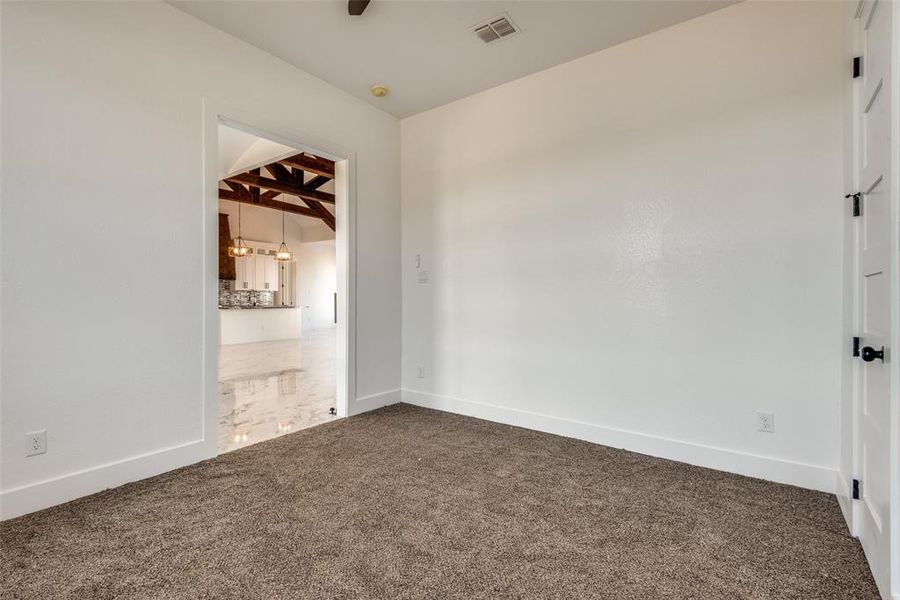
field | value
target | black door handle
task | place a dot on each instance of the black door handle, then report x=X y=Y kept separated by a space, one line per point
x=869 y=354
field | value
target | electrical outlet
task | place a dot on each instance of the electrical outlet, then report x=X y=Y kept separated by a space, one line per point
x=35 y=443
x=421 y=373
x=423 y=276
x=765 y=422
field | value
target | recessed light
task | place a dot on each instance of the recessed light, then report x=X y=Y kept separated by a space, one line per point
x=379 y=91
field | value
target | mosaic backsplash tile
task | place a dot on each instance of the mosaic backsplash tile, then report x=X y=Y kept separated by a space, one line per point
x=232 y=298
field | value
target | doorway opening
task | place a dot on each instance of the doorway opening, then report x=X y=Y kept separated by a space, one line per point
x=277 y=289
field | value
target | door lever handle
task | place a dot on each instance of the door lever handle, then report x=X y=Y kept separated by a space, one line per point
x=869 y=354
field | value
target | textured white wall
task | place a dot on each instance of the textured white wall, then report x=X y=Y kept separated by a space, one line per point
x=102 y=145
x=642 y=247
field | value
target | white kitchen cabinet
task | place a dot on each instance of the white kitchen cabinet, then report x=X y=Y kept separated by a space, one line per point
x=266 y=272
x=245 y=272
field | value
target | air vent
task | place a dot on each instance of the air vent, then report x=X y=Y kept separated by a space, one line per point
x=495 y=29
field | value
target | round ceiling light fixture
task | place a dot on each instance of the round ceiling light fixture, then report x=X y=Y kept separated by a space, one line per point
x=379 y=91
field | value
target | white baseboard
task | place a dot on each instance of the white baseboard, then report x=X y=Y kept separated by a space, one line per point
x=843 y=492
x=814 y=477
x=44 y=494
x=29 y=498
x=50 y=492
x=367 y=403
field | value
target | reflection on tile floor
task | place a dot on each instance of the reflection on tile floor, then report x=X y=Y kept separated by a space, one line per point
x=268 y=389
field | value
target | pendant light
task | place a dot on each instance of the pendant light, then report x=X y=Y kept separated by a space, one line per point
x=283 y=254
x=239 y=248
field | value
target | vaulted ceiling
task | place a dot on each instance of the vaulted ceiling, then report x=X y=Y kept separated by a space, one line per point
x=426 y=52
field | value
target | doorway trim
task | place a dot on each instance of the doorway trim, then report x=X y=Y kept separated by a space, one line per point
x=271 y=127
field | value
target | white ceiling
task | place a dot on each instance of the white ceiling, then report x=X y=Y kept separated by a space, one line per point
x=425 y=50
x=240 y=151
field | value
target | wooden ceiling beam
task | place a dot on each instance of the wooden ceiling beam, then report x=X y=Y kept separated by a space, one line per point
x=268 y=203
x=283 y=187
x=313 y=164
x=282 y=173
x=295 y=176
x=316 y=182
x=237 y=188
x=254 y=191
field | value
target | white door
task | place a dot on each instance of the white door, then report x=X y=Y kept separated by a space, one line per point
x=873 y=286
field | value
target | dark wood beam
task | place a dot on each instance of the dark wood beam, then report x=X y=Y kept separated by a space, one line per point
x=322 y=212
x=316 y=182
x=278 y=186
x=282 y=173
x=267 y=203
x=254 y=191
x=313 y=164
x=237 y=188
x=295 y=177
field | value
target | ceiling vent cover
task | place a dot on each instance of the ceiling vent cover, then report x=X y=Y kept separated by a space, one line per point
x=495 y=29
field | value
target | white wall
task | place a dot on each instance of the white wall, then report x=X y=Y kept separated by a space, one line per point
x=102 y=141
x=316 y=284
x=642 y=247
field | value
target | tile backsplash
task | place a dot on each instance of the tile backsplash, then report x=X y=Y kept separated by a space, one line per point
x=232 y=298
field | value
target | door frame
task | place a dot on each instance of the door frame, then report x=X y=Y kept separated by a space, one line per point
x=271 y=127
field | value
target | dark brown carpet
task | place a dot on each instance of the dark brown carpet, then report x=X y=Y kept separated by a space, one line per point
x=412 y=503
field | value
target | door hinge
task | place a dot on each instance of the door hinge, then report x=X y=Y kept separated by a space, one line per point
x=856 y=489
x=856 y=208
x=856 y=342
x=857 y=66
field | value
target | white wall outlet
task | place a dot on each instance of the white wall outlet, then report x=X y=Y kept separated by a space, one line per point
x=765 y=421
x=423 y=276
x=35 y=443
x=420 y=373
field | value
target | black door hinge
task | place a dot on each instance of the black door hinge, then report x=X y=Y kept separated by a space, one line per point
x=857 y=66
x=856 y=342
x=856 y=208
x=856 y=489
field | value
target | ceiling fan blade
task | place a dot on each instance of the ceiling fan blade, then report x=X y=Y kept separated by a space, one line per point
x=356 y=7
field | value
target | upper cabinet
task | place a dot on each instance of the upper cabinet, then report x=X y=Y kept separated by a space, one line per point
x=266 y=273
x=245 y=271
x=259 y=271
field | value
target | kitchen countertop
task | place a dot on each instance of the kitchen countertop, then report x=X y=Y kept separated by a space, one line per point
x=253 y=307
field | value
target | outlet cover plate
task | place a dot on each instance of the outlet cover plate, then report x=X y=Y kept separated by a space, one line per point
x=36 y=443
x=765 y=422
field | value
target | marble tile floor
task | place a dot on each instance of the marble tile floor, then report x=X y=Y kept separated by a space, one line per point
x=268 y=389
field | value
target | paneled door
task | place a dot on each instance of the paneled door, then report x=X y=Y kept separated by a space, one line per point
x=872 y=207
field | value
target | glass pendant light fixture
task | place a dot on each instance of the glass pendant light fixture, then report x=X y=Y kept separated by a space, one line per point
x=283 y=254
x=239 y=248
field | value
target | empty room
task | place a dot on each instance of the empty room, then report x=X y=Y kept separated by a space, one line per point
x=450 y=299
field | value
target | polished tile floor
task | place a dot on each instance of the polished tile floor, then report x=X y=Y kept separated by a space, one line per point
x=268 y=389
